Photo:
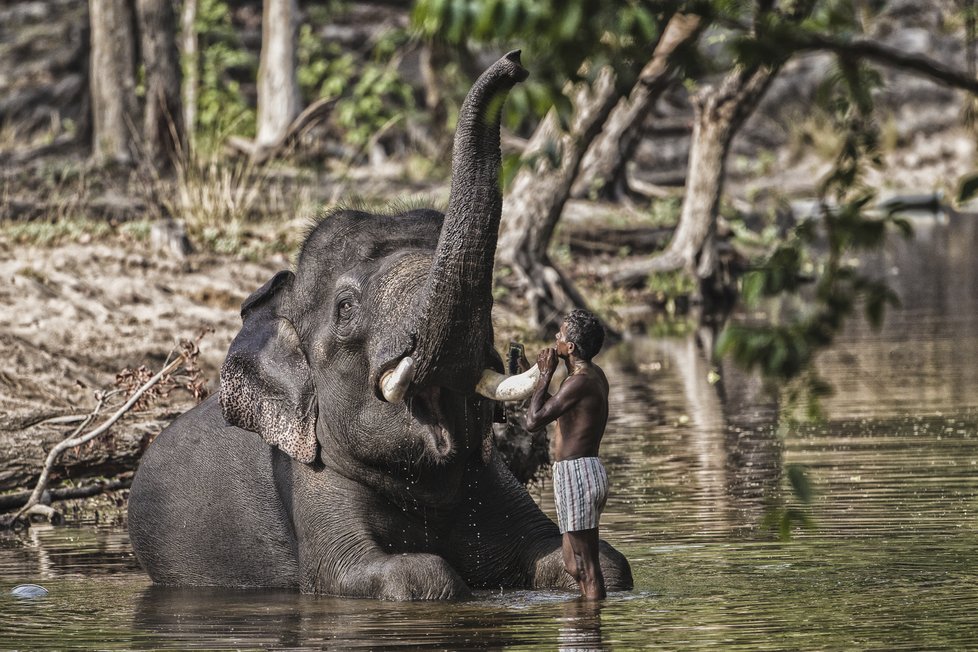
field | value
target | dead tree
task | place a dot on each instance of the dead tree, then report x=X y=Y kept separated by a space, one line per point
x=603 y=169
x=552 y=161
x=537 y=198
x=718 y=114
x=118 y=457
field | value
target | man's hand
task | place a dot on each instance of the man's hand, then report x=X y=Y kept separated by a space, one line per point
x=547 y=363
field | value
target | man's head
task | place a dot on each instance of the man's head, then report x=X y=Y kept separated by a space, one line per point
x=582 y=330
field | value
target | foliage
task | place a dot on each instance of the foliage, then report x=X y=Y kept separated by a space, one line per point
x=784 y=519
x=371 y=95
x=558 y=36
x=222 y=107
x=665 y=212
x=968 y=189
x=668 y=285
x=65 y=228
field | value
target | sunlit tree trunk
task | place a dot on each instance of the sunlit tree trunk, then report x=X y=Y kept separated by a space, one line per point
x=603 y=170
x=537 y=198
x=113 y=82
x=278 y=87
x=719 y=113
x=188 y=54
x=163 y=126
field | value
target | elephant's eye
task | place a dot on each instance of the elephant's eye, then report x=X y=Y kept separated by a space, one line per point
x=344 y=310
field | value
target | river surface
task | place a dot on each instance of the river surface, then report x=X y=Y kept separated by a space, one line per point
x=889 y=559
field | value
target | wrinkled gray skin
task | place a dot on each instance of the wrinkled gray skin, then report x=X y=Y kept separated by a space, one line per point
x=301 y=475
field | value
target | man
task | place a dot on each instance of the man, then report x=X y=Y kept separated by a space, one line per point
x=580 y=408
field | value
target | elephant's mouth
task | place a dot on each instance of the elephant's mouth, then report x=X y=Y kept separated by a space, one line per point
x=425 y=406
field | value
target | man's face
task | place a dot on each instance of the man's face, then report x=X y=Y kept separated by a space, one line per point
x=564 y=348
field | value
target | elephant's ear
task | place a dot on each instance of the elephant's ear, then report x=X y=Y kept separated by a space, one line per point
x=266 y=386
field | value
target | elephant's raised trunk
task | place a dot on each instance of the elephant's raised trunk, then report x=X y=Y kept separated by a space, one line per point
x=452 y=324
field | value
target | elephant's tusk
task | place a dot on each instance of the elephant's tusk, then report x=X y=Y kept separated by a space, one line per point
x=500 y=387
x=394 y=384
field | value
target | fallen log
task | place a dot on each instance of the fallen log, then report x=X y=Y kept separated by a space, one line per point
x=638 y=241
x=313 y=114
x=24 y=452
x=107 y=207
x=16 y=500
x=58 y=93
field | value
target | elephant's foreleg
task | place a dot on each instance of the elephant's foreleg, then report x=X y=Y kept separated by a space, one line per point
x=408 y=576
x=551 y=569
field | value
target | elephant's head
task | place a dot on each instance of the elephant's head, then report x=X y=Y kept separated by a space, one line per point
x=373 y=346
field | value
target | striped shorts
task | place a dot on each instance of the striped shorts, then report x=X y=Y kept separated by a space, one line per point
x=580 y=492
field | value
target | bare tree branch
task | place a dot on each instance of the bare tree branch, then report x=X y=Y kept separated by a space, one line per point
x=888 y=56
x=603 y=167
x=33 y=504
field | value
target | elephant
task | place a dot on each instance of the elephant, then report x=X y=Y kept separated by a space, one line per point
x=348 y=452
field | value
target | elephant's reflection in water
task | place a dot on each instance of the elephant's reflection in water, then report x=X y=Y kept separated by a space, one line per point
x=218 y=618
x=580 y=626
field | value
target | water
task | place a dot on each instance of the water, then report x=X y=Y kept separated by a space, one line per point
x=889 y=562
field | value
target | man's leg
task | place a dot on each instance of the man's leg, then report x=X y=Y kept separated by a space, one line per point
x=581 y=560
x=570 y=558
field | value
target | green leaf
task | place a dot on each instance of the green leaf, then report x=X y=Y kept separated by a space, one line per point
x=753 y=287
x=784 y=532
x=903 y=225
x=571 y=21
x=968 y=188
x=491 y=15
x=800 y=484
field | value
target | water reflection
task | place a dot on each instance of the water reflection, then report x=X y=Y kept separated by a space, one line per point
x=217 y=618
x=580 y=627
x=715 y=428
x=919 y=360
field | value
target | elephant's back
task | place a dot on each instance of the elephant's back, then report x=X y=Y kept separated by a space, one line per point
x=207 y=506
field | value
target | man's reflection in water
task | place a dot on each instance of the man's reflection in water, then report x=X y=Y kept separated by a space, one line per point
x=580 y=626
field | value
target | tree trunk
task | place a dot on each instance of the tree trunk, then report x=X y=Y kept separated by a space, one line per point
x=537 y=198
x=113 y=81
x=163 y=126
x=603 y=169
x=718 y=114
x=278 y=86
x=189 y=59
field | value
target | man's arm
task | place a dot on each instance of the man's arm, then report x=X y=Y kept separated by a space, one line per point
x=545 y=408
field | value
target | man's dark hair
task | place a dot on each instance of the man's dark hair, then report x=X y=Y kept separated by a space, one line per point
x=586 y=332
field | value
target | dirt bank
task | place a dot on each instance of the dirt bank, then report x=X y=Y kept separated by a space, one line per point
x=74 y=315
